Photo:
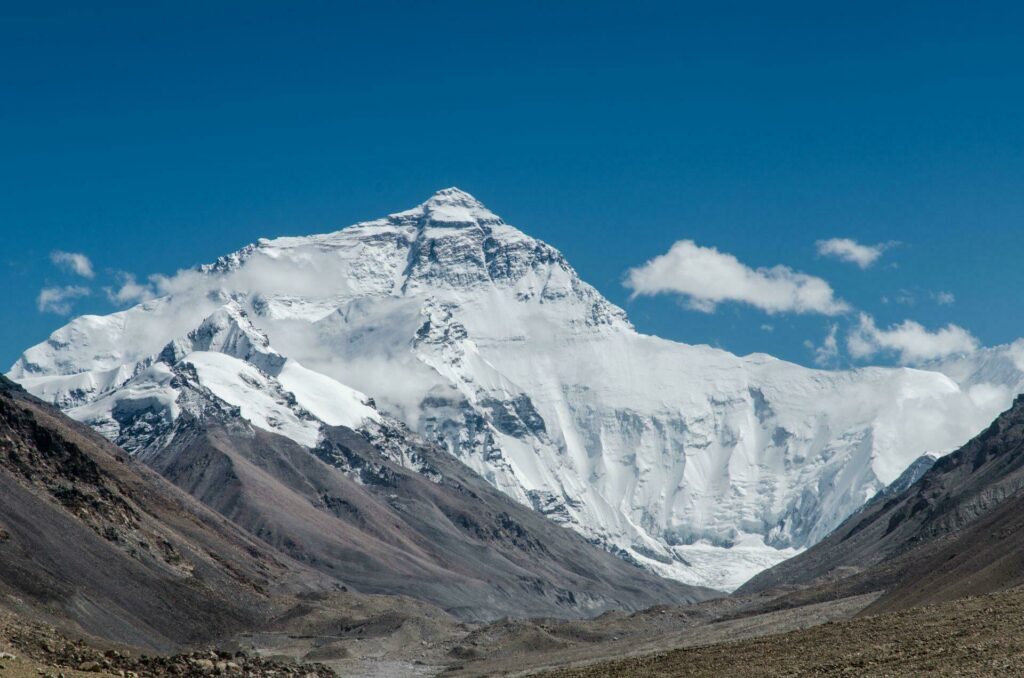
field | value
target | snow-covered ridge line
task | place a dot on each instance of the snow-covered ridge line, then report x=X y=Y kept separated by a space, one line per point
x=232 y=361
x=697 y=463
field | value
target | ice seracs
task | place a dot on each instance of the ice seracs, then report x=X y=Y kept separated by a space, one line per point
x=694 y=462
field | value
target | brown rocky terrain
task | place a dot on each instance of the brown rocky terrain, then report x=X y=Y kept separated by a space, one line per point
x=977 y=636
x=524 y=647
x=91 y=539
x=35 y=649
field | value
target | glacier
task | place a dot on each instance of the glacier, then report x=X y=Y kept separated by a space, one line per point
x=698 y=464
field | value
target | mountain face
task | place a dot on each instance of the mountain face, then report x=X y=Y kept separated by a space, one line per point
x=93 y=539
x=957 y=531
x=438 y=533
x=378 y=509
x=271 y=446
x=698 y=464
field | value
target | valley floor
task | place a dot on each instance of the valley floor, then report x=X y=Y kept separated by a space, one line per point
x=976 y=636
x=982 y=635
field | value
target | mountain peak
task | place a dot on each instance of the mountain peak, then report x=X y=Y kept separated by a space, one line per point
x=453 y=206
x=454 y=195
x=227 y=330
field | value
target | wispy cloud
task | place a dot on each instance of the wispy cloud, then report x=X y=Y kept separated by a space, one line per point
x=76 y=262
x=911 y=297
x=59 y=300
x=827 y=353
x=706 y=277
x=847 y=249
x=130 y=291
x=910 y=341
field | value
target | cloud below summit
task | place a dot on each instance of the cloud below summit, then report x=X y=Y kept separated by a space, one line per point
x=910 y=341
x=706 y=277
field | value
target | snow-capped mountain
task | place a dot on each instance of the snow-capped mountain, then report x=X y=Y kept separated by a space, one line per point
x=699 y=464
x=233 y=361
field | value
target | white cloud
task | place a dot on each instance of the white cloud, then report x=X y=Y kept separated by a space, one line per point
x=945 y=298
x=131 y=291
x=707 y=277
x=847 y=249
x=59 y=300
x=76 y=262
x=910 y=340
x=828 y=352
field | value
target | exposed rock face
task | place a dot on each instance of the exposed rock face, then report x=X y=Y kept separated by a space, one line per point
x=701 y=465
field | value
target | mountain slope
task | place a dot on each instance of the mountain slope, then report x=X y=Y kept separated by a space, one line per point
x=449 y=539
x=957 y=531
x=227 y=418
x=92 y=538
x=701 y=465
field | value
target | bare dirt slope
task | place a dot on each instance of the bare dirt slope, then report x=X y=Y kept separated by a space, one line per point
x=91 y=538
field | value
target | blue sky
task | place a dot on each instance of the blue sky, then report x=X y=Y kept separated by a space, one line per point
x=154 y=139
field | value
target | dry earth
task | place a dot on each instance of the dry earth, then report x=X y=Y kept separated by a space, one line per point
x=516 y=648
x=981 y=635
x=978 y=636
